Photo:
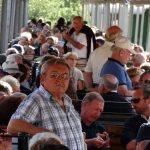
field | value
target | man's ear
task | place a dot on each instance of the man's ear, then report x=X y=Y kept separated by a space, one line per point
x=148 y=100
x=42 y=78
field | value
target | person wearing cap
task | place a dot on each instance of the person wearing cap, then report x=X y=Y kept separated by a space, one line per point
x=132 y=124
x=98 y=57
x=121 y=53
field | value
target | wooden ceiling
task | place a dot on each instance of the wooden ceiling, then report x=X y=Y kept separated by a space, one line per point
x=117 y=1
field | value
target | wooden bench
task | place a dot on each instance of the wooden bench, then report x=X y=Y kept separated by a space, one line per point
x=114 y=123
x=115 y=132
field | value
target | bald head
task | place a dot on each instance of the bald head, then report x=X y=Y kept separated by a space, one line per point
x=109 y=82
x=113 y=32
x=78 y=23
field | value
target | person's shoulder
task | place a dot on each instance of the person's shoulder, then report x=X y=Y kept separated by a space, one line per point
x=99 y=125
x=146 y=125
x=77 y=70
x=143 y=133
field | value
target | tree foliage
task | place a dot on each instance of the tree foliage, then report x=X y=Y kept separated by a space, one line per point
x=51 y=10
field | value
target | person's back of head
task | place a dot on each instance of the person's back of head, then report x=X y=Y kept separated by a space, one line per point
x=8 y=106
x=108 y=83
x=139 y=59
x=42 y=138
x=5 y=87
x=11 y=50
x=14 y=83
x=113 y=32
x=53 y=147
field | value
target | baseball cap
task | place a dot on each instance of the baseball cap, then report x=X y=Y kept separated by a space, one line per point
x=124 y=42
x=11 y=68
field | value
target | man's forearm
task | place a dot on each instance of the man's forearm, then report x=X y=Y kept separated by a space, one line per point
x=74 y=43
x=16 y=126
x=88 y=79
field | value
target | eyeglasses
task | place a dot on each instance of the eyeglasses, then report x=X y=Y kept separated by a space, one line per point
x=136 y=100
x=147 y=81
x=64 y=76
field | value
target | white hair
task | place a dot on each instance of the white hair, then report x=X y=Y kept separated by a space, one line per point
x=44 y=137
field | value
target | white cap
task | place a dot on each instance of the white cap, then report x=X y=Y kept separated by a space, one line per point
x=123 y=42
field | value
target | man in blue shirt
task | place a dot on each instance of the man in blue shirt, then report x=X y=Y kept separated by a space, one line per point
x=121 y=53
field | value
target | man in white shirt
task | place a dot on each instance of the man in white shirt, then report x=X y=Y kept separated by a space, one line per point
x=80 y=38
x=99 y=56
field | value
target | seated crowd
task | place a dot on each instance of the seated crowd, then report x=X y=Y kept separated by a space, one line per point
x=45 y=93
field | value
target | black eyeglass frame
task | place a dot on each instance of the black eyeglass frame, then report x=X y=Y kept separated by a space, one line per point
x=136 y=100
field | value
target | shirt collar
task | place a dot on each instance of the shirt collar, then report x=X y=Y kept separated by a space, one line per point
x=116 y=61
x=147 y=119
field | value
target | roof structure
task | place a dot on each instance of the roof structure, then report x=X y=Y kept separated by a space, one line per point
x=135 y=2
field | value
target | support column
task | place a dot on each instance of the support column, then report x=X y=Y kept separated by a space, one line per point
x=123 y=18
x=5 y=25
x=148 y=36
x=12 y=20
x=25 y=13
x=106 y=18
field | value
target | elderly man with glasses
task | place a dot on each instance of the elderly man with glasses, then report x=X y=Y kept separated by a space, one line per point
x=49 y=108
x=141 y=104
x=121 y=54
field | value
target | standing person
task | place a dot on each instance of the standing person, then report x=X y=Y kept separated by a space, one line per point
x=80 y=38
x=133 y=123
x=95 y=135
x=98 y=57
x=121 y=53
x=49 y=108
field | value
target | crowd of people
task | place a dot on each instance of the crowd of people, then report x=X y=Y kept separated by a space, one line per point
x=44 y=93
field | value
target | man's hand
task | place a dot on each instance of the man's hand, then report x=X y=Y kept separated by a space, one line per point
x=95 y=142
x=105 y=137
x=65 y=35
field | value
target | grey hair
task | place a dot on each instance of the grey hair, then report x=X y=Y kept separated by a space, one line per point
x=109 y=81
x=53 y=61
x=139 y=58
x=11 y=80
x=114 y=48
x=5 y=87
x=89 y=97
x=69 y=54
x=41 y=138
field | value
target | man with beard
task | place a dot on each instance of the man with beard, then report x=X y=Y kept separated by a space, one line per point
x=133 y=124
